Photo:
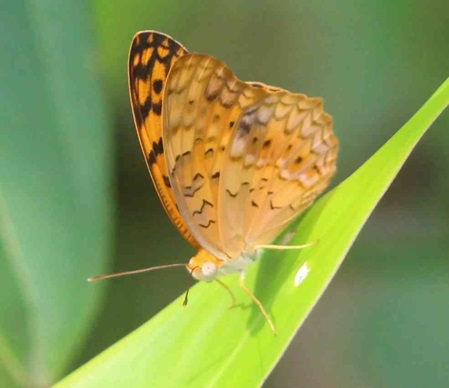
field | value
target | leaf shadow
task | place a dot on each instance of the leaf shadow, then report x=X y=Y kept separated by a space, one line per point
x=275 y=266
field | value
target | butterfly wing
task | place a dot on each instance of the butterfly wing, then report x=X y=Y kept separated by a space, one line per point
x=281 y=156
x=151 y=56
x=202 y=103
x=243 y=158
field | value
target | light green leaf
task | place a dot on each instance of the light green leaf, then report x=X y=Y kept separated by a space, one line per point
x=208 y=345
x=54 y=187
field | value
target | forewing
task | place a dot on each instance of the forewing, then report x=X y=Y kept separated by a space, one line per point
x=202 y=104
x=281 y=156
x=151 y=56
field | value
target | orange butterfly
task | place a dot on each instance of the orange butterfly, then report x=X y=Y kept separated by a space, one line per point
x=233 y=162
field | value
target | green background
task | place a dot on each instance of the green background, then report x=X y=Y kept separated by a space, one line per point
x=75 y=194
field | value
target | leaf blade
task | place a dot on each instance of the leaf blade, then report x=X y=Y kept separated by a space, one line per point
x=209 y=346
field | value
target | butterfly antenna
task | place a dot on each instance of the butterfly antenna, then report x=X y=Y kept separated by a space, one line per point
x=126 y=273
x=286 y=247
x=186 y=298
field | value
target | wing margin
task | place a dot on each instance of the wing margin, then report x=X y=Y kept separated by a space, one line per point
x=151 y=56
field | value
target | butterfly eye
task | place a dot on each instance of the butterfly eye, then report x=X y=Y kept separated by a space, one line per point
x=209 y=269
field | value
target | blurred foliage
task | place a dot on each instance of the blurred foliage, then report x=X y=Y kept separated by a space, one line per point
x=55 y=188
x=374 y=62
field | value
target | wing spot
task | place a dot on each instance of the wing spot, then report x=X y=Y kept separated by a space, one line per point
x=156 y=108
x=208 y=224
x=166 y=181
x=231 y=194
x=216 y=175
x=151 y=158
x=244 y=126
x=274 y=207
x=211 y=96
x=254 y=204
x=145 y=108
x=266 y=143
x=158 y=148
x=191 y=193
x=157 y=86
x=203 y=205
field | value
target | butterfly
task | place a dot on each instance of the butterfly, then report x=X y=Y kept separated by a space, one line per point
x=233 y=162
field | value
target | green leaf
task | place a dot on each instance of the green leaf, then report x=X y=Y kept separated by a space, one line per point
x=54 y=187
x=208 y=345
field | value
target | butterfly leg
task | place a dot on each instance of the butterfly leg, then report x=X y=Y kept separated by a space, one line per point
x=286 y=247
x=257 y=302
x=234 y=301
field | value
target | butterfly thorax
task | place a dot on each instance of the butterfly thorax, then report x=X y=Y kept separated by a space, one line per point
x=205 y=266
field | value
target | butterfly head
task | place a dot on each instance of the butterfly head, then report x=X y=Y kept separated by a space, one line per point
x=204 y=266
